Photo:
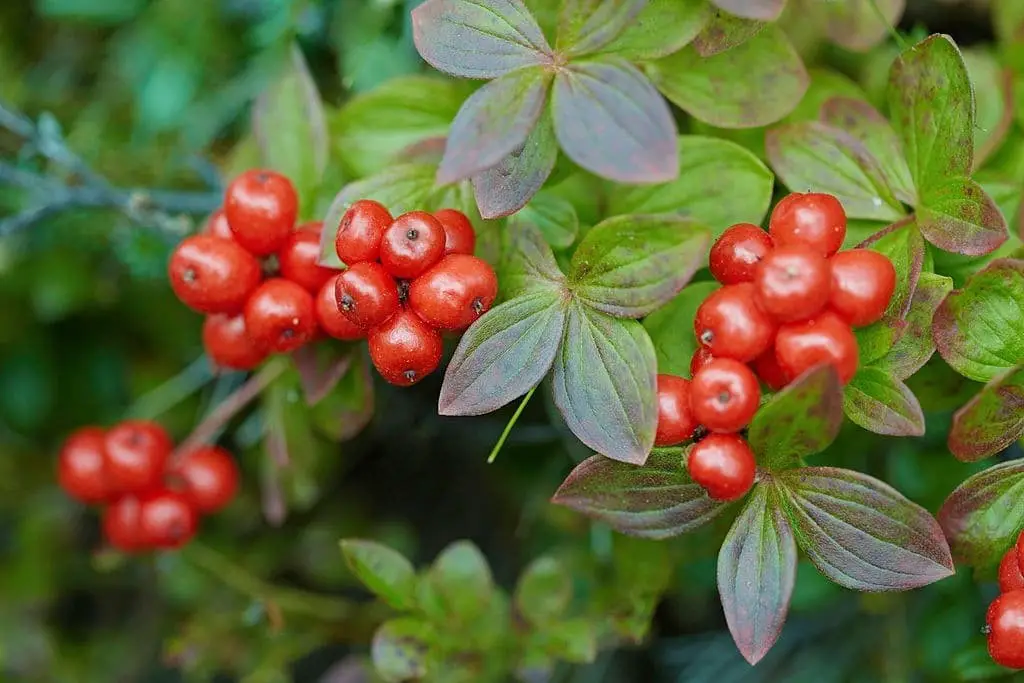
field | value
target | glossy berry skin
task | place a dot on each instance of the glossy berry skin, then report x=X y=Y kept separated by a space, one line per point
x=213 y=274
x=280 y=316
x=136 y=453
x=300 y=259
x=767 y=368
x=330 y=318
x=166 y=519
x=360 y=232
x=217 y=226
x=1020 y=550
x=792 y=283
x=459 y=235
x=1004 y=622
x=700 y=358
x=261 y=207
x=454 y=293
x=723 y=465
x=675 y=421
x=729 y=324
x=735 y=254
x=366 y=294
x=81 y=466
x=412 y=244
x=812 y=220
x=228 y=344
x=121 y=525
x=724 y=395
x=863 y=282
x=1010 y=576
x=826 y=338
x=209 y=478
x=405 y=349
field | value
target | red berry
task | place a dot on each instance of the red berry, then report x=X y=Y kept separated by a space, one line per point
x=121 y=525
x=412 y=244
x=360 y=232
x=734 y=256
x=455 y=292
x=81 y=466
x=675 y=422
x=723 y=464
x=1010 y=576
x=228 y=344
x=813 y=220
x=300 y=259
x=405 y=349
x=792 y=283
x=862 y=285
x=209 y=476
x=261 y=207
x=217 y=225
x=700 y=358
x=459 y=235
x=724 y=395
x=280 y=316
x=730 y=324
x=824 y=339
x=136 y=451
x=366 y=294
x=166 y=519
x=1020 y=550
x=1005 y=624
x=767 y=368
x=329 y=316
x=213 y=274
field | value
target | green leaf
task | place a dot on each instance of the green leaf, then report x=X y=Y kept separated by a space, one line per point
x=348 y=408
x=992 y=420
x=642 y=573
x=861 y=533
x=979 y=330
x=586 y=26
x=401 y=648
x=756 y=574
x=512 y=182
x=573 y=640
x=385 y=572
x=658 y=500
x=720 y=184
x=604 y=384
x=553 y=216
x=724 y=31
x=529 y=265
x=916 y=345
x=544 y=591
x=670 y=328
x=774 y=80
x=882 y=404
x=994 y=103
x=825 y=85
x=461 y=581
x=801 y=420
x=957 y=215
x=859 y=25
x=628 y=266
x=760 y=10
x=984 y=515
x=661 y=28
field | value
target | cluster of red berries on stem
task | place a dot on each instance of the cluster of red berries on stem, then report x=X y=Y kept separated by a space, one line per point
x=788 y=302
x=152 y=499
x=1004 y=621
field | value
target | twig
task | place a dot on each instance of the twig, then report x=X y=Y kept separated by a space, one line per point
x=173 y=391
x=510 y=425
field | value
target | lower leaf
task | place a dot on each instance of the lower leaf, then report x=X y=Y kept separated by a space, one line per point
x=882 y=404
x=992 y=420
x=401 y=648
x=984 y=515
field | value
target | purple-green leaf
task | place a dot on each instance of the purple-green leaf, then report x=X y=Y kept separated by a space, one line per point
x=958 y=215
x=861 y=533
x=478 y=38
x=756 y=574
x=661 y=28
x=859 y=25
x=992 y=420
x=724 y=31
x=508 y=186
x=984 y=515
x=761 y=10
x=658 y=500
x=916 y=345
x=674 y=348
x=882 y=404
x=586 y=26
x=528 y=265
x=608 y=99
x=385 y=572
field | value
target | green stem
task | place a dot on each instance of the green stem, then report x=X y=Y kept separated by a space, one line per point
x=510 y=425
x=892 y=29
x=173 y=391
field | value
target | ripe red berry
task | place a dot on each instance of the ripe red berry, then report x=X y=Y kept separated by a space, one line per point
x=366 y=294
x=166 y=519
x=734 y=256
x=459 y=235
x=412 y=244
x=228 y=344
x=1010 y=576
x=121 y=525
x=261 y=207
x=700 y=358
x=213 y=274
x=217 y=226
x=280 y=316
x=405 y=349
x=209 y=478
x=675 y=421
x=136 y=451
x=826 y=338
x=862 y=285
x=814 y=220
x=300 y=259
x=730 y=324
x=1020 y=550
x=81 y=466
x=792 y=283
x=360 y=232
x=767 y=368
x=724 y=395
x=455 y=292
x=329 y=316
x=1004 y=622
x=723 y=464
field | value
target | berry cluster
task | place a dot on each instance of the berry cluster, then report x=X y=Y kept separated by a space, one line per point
x=789 y=301
x=1004 y=621
x=152 y=500
x=407 y=280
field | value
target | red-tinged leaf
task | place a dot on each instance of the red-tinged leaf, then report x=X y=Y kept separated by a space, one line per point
x=992 y=420
x=509 y=185
x=529 y=264
x=862 y=533
x=320 y=368
x=761 y=10
x=882 y=404
x=611 y=101
x=586 y=26
x=658 y=500
x=984 y=515
x=756 y=573
x=916 y=345
x=493 y=122
x=859 y=25
x=478 y=38
x=724 y=31
x=959 y=216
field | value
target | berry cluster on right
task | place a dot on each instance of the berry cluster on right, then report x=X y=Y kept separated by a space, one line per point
x=789 y=301
x=1004 y=620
